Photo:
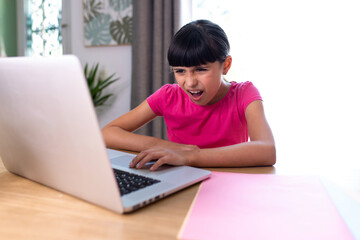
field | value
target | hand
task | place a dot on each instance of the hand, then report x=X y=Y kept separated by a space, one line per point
x=178 y=155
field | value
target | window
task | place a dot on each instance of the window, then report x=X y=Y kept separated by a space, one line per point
x=43 y=28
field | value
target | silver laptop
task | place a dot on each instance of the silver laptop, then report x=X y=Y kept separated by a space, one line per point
x=49 y=133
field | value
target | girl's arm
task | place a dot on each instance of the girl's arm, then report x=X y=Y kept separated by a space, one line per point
x=118 y=133
x=260 y=151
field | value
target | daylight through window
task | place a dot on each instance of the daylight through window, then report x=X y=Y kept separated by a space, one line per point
x=43 y=28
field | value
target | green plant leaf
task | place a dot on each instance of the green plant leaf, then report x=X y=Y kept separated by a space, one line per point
x=92 y=75
x=106 y=82
x=97 y=85
x=102 y=100
x=85 y=69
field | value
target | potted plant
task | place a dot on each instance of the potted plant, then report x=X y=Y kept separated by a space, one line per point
x=97 y=84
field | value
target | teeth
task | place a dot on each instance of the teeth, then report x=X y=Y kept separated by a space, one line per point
x=194 y=92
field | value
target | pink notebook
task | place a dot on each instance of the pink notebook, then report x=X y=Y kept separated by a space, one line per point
x=258 y=206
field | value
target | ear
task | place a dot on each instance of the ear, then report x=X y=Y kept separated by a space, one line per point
x=227 y=65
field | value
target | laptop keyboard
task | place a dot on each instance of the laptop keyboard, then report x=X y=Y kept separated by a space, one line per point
x=129 y=182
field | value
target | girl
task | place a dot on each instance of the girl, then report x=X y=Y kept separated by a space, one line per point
x=209 y=120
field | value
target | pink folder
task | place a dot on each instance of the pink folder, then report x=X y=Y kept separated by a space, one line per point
x=258 y=206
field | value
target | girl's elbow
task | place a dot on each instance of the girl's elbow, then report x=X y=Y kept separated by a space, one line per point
x=272 y=155
x=268 y=155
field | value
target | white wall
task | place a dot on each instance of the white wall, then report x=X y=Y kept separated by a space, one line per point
x=112 y=59
x=304 y=56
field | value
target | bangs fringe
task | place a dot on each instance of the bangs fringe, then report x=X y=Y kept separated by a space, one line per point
x=192 y=50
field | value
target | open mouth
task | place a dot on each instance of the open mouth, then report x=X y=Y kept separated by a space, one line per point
x=196 y=93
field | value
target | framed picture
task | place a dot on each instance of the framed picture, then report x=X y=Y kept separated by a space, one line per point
x=107 y=22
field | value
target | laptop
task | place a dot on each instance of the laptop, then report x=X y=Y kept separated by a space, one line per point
x=49 y=133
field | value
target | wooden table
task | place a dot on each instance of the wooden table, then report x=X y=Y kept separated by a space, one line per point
x=31 y=211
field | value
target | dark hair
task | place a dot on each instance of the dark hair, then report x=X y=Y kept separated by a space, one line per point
x=198 y=42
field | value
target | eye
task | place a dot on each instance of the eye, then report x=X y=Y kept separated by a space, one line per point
x=200 y=69
x=179 y=70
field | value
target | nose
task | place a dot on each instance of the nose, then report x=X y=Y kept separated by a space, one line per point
x=191 y=80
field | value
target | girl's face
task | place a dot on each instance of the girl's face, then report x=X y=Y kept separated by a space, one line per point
x=204 y=84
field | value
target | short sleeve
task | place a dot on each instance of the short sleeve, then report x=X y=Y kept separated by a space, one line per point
x=246 y=93
x=158 y=100
x=249 y=94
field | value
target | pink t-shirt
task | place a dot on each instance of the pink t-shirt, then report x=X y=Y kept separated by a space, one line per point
x=216 y=125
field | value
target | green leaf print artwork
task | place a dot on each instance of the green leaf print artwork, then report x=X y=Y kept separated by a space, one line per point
x=121 y=32
x=118 y=5
x=107 y=22
x=97 y=30
x=92 y=9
